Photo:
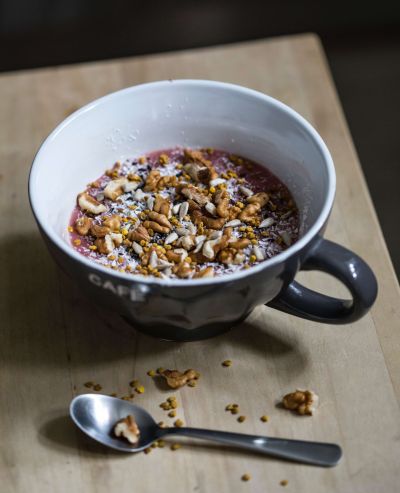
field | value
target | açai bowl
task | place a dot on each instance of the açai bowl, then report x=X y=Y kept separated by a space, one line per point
x=182 y=205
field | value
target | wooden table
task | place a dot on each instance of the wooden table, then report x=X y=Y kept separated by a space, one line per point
x=52 y=340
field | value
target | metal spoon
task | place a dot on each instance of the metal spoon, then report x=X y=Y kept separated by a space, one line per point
x=97 y=414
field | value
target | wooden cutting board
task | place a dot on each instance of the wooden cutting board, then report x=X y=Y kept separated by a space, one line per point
x=52 y=340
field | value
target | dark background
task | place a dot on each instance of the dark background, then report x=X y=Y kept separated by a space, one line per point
x=362 y=41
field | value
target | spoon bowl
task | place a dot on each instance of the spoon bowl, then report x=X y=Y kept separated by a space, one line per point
x=96 y=415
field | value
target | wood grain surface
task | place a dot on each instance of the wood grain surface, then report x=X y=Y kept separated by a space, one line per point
x=52 y=340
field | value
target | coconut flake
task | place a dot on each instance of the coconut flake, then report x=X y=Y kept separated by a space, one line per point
x=266 y=222
x=163 y=264
x=171 y=238
x=258 y=252
x=217 y=181
x=200 y=239
x=137 y=248
x=286 y=237
x=166 y=273
x=283 y=216
x=130 y=186
x=150 y=203
x=183 y=210
x=215 y=235
x=139 y=195
x=210 y=207
x=233 y=223
x=192 y=228
x=153 y=260
x=246 y=191
x=208 y=250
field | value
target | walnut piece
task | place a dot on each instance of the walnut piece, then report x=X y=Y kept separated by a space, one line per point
x=213 y=223
x=167 y=181
x=82 y=225
x=193 y=193
x=249 y=212
x=255 y=203
x=301 y=401
x=173 y=256
x=113 y=222
x=227 y=256
x=139 y=234
x=161 y=219
x=157 y=227
x=105 y=245
x=182 y=270
x=221 y=199
x=88 y=203
x=207 y=272
x=260 y=198
x=115 y=188
x=240 y=243
x=127 y=428
x=99 y=231
x=198 y=158
x=152 y=180
x=197 y=172
x=176 y=379
x=162 y=205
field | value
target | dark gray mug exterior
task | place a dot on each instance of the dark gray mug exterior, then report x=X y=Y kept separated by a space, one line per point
x=183 y=313
x=197 y=309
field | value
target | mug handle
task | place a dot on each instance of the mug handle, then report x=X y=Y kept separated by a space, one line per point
x=346 y=266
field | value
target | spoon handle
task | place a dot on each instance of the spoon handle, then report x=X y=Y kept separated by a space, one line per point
x=316 y=453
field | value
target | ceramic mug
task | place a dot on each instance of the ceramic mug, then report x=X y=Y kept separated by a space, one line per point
x=196 y=113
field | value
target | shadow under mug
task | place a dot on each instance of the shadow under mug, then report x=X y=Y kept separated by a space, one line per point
x=196 y=113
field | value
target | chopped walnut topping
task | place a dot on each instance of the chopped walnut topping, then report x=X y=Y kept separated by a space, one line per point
x=193 y=193
x=82 y=225
x=167 y=181
x=212 y=223
x=259 y=198
x=161 y=219
x=87 y=203
x=115 y=188
x=301 y=401
x=185 y=214
x=152 y=180
x=182 y=270
x=127 y=428
x=198 y=157
x=240 y=244
x=105 y=245
x=139 y=234
x=198 y=172
x=221 y=199
x=113 y=222
x=162 y=205
x=116 y=238
x=99 y=231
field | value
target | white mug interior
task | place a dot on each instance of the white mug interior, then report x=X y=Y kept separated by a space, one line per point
x=189 y=113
